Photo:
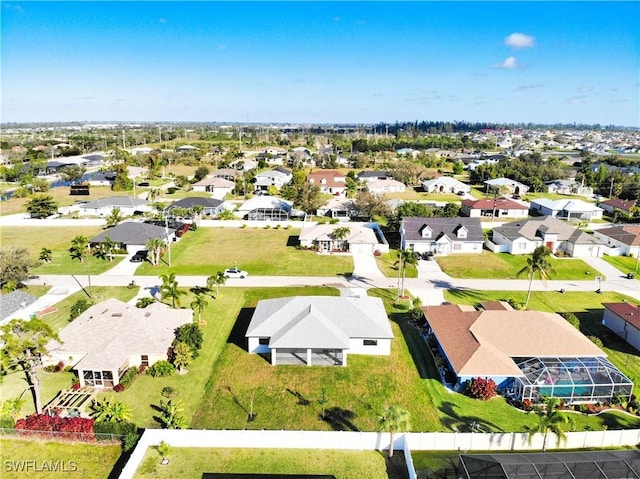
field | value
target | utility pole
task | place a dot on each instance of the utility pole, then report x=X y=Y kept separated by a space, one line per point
x=123 y=144
x=611 y=188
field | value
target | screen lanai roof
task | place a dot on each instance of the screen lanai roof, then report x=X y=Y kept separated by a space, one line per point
x=483 y=343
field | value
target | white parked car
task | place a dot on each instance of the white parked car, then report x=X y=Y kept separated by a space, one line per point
x=235 y=273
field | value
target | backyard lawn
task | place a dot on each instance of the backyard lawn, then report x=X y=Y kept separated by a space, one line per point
x=193 y=462
x=258 y=251
x=626 y=264
x=586 y=306
x=88 y=461
x=490 y=265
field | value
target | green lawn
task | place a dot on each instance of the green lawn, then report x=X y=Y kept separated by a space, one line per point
x=626 y=264
x=220 y=316
x=286 y=397
x=258 y=251
x=586 y=306
x=505 y=266
x=386 y=264
x=14 y=383
x=88 y=461
x=193 y=462
x=58 y=240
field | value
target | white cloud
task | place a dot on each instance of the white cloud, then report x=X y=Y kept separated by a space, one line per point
x=585 y=89
x=520 y=40
x=529 y=87
x=222 y=47
x=576 y=100
x=510 y=63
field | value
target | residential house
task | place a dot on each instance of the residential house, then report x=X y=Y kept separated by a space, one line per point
x=566 y=209
x=569 y=187
x=529 y=354
x=339 y=207
x=265 y=208
x=523 y=236
x=210 y=206
x=319 y=330
x=218 y=187
x=112 y=336
x=186 y=149
x=371 y=175
x=244 y=164
x=227 y=173
x=616 y=205
x=329 y=181
x=445 y=184
x=385 y=186
x=11 y=303
x=624 y=320
x=499 y=207
x=128 y=206
x=133 y=236
x=277 y=177
x=408 y=152
x=512 y=186
x=441 y=235
x=623 y=240
x=360 y=238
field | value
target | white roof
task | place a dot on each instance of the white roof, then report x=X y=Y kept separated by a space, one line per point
x=358 y=234
x=319 y=321
x=265 y=201
x=566 y=205
x=445 y=180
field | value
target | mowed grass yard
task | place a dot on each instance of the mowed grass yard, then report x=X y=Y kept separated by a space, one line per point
x=258 y=251
x=286 y=397
x=586 y=306
x=58 y=240
x=626 y=264
x=490 y=265
x=187 y=463
x=91 y=461
x=387 y=264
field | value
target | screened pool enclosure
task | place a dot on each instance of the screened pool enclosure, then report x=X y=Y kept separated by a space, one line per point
x=574 y=380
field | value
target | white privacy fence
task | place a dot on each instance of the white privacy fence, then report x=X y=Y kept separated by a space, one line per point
x=360 y=441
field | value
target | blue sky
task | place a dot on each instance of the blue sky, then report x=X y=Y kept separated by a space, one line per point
x=321 y=62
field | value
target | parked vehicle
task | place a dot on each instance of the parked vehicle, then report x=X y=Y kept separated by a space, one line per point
x=631 y=276
x=429 y=256
x=139 y=257
x=235 y=273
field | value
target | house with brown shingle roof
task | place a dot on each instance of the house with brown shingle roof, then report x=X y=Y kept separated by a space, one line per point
x=624 y=320
x=623 y=206
x=624 y=239
x=489 y=207
x=529 y=354
x=329 y=181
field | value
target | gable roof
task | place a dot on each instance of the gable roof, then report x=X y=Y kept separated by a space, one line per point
x=505 y=182
x=384 y=184
x=489 y=204
x=566 y=205
x=373 y=174
x=358 y=234
x=627 y=312
x=226 y=172
x=445 y=180
x=319 y=321
x=329 y=176
x=531 y=229
x=13 y=302
x=442 y=227
x=624 y=205
x=131 y=232
x=115 y=201
x=216 y=182
x=626 y=234
x=483 y=343
x=111 y=331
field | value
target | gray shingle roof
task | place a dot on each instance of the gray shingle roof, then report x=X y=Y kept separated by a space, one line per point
x=531 y=229
x=195 y=201
x=115 y=201
x=132 y=233
x=319 y=321
x=449 y=227
x=14 y=301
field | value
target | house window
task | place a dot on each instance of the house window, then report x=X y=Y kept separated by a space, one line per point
x=370 y=342
x=144 y=360
x=457 y=246
x=263 y=341
x=522 y=245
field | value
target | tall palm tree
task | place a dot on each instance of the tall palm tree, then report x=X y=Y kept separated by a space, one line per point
x=114 y=218
x=169 y=289
x=406 y=258
x=393 y=419
x=539 y=263
x=216 y=280
x=340 y=234
x=550 y=419
x=155 y=246
x=198 y=305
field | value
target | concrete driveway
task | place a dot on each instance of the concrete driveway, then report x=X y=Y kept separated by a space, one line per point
x=365 y=266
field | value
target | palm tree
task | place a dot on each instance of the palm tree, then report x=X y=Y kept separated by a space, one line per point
x=79 y=250
x=550 y=419
x=216 y=280
x=45 y=255
x=153 y=194
x=406 y=258
x=340 y=234
x=539 y=263
x=155 y=246
x=114 y=218
x=198 y=305
x=169 y=289
x=394 y=419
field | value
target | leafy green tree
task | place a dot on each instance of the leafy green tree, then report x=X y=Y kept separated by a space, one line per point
x=114 y=217
x=406 y=258
x=182 y=355
x=305 y=196
x=15 y=263
x=226 y=215
x=79 y=248
x=72 y=173
x=24 y=343
x=537 y=263
x=164 y=450
x=110 y=411
x=372 y=204
x=170 y=289
x=550 y=419
x=216 y=280
x=45 y=255
x=190 y=334
x=199 y=304
x=200 y=173
x=78 y=308
x=41 y=206
x=323 y=400
x=393 y=419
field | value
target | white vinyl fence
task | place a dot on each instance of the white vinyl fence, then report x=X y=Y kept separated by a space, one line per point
x=347 y=440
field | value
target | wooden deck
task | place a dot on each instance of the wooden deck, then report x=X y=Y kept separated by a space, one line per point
x=70 y=400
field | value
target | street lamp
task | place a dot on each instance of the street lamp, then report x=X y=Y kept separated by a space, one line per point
x=599 y=280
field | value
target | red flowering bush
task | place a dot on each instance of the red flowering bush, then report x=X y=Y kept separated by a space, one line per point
x=482 y=388
x=44 y=422
x=118 y=388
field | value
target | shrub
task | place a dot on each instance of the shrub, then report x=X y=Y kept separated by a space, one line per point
x=145 y=301
x=572 y=319
x=278 y=227
x=161 y=369
x=44 y=422
x=596 y=340
x=128 y=377
x=118 y=428
x=78 y=308
x=517 y=305
x=169 y=392
x=267 y=227
x=118 y=388
x=481 y=388
x=191 y=335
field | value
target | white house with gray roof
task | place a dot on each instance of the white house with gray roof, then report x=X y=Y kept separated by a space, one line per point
x=112 y=336
x=445 y=184
x=319 y=330
x=508 y=184
x=134 y=236
x=567 y=209
x=360 y=238
x=128 y=205
x=441 y=235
